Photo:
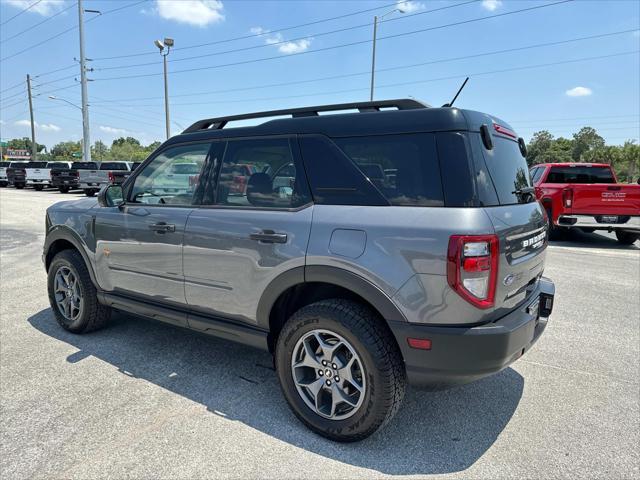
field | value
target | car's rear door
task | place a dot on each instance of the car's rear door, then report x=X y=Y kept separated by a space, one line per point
x=241 y=240
x=139 y=244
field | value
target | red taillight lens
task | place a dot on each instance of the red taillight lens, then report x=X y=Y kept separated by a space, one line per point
x=472 y=268
x=567 y=197
x=111 y=177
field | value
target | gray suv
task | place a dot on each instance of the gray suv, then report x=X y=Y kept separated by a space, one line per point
x=365 y=250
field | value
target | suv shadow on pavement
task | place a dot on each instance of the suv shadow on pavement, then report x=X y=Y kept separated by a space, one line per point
x=435 y=432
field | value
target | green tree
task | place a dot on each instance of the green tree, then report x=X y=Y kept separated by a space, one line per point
x=538 y=146
x=23 y=143
x=65 y=150
x=99 y=151
x=584 y=141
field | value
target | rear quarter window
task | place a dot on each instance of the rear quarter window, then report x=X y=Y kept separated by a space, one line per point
x=403 y=168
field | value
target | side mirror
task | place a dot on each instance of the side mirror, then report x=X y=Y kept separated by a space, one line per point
x=111 y=196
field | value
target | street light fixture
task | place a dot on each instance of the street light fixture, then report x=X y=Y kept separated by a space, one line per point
x=377 y=19
x=165 y=47
x=53 y=97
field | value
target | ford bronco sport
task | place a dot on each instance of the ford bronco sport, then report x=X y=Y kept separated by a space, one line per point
x=428 y=272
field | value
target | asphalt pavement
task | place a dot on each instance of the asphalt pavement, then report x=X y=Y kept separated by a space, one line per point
x=146 y=400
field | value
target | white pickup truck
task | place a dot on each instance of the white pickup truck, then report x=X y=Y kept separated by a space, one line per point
x=39 y=173
x=91 y=181
x=4 y=181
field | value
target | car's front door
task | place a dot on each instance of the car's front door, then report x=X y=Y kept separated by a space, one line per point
x=237 y=245
x=139 y=244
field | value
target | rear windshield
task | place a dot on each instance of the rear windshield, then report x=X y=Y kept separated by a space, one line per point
x=135 y=165
x=17 y=164
x=404 y=168
x=186 y=168
x=580 y=174
x=113 y=166
x=57 y=165
x=85 y=165
x=36 y=165
x=4 y=164
x=508 y=170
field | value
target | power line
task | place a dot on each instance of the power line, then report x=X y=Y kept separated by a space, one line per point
x=70 y=29
x=21 y=12
x=451 y=77
x=361 y=42
x=244 y=37
x=37 y=24
x=282 y=42
x=576 y=118
x=400 y=67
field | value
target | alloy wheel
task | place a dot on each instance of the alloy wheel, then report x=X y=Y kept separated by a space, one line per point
x=328 y=374
x=67 y=294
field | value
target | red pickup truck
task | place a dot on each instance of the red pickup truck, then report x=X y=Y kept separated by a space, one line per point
x=587 y=196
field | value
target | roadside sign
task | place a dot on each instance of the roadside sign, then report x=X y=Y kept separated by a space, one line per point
x=76 y=155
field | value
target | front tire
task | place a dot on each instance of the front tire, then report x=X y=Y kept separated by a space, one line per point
x=72 y=295
x=626 y=238
x=340 y=339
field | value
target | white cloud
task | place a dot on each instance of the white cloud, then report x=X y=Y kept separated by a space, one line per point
x=2 y=122
x=410 y=6
x=112 y=130
x=276 y=39
x=45 y=7
x=193 y=12
x=579 y=92
x=491 y=5
x=45 y=127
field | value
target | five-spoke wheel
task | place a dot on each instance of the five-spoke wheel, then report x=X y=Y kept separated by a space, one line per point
x=328 y=374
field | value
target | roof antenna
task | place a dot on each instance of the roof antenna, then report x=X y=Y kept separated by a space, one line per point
x=450 y=104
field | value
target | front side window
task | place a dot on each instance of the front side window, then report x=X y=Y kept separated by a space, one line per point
x=171 y=178
x=261 y=173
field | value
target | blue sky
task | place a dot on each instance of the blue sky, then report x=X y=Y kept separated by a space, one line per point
x=577 y=90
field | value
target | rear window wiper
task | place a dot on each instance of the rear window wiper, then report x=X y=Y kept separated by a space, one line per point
x=525 y=193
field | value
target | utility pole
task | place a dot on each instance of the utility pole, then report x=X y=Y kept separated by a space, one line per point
x=83 y=82
x=34 y=147
x=373 y=59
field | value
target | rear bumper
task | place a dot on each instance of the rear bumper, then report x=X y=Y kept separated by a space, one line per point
x=460 y=355
x=31 y=181
x=64 y=182
x=591 y=221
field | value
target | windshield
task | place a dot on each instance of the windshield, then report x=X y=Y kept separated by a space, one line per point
x=85 y=165
x=580 y=174
x=113 y=166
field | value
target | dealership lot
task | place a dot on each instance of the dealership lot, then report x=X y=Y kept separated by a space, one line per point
x=143 y=399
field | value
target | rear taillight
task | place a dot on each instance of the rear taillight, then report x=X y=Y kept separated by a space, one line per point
x=472 y=268
x=111 y=177
x=567 y=197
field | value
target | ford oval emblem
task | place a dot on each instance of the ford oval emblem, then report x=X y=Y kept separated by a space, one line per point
x=508 y=280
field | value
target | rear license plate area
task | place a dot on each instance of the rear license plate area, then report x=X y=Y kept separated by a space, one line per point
x=609 y=219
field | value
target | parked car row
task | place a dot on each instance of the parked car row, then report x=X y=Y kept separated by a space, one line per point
x=65 y=176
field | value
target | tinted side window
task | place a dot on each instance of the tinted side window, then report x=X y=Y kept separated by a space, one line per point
x=404 y=168
x=536 y=173
x=333 y=178
x=249 y=175
x=456 y=167
x=158 y=184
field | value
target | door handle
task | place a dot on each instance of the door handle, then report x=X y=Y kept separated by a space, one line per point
x=269 y=236
x=162 y=227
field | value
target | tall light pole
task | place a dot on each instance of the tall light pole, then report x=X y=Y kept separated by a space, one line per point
x=34 y=147
x=164 y=47
x=377 y=19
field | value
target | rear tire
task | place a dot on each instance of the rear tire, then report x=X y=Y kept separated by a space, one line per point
x=364 y=353
x=89 y=192
x=38 y=188
x=555 y=233
x=626 y=238
x=3 y=184
x=19 y=186
x=69 y=280
x=63 y=189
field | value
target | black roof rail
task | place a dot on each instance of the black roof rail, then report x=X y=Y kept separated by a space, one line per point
x=220 y=122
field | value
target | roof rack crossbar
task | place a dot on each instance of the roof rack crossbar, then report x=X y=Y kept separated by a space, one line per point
x=221 y=122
